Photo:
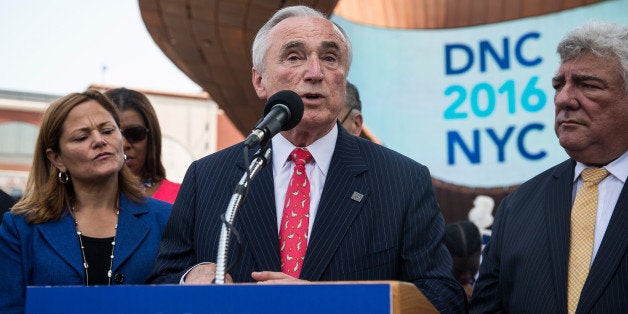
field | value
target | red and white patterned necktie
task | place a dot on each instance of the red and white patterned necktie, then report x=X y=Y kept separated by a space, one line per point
x=295 y=220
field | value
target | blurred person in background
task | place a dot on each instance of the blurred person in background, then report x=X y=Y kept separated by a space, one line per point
x=465 y=246
x=142 y=144
x=83 y=218
x=6 y=202
x=481 y=214
x=351 y=113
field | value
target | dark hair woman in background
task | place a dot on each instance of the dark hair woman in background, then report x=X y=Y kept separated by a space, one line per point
x=142 y=145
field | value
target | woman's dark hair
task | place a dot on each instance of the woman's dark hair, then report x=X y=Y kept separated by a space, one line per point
x=463 y=239
x=129 y=99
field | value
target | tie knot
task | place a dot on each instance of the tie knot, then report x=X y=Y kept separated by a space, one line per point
x=594 y=175
x=301 y=155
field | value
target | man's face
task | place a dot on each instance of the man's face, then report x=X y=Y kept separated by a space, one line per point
x=591 y=109
x=307 y=55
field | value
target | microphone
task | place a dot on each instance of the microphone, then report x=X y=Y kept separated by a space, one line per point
x=283 y=111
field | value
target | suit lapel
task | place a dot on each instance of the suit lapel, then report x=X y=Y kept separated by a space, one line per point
x=131 y=231
x=62 y=237
x=609 y=255
x=258 y=217
x=558 y=201
x=336 y=209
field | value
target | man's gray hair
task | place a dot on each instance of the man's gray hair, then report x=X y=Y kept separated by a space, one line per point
x=603 y=39
x=261 y=44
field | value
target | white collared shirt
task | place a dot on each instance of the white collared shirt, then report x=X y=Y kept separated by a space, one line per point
x=609 y=190
x=321 y=150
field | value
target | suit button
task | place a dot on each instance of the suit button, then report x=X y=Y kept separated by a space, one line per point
x=118 y=278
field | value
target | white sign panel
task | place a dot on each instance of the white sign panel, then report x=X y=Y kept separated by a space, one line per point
x=474 y=104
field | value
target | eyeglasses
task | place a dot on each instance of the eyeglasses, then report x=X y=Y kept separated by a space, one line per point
x=135 y=134
x=348 y=114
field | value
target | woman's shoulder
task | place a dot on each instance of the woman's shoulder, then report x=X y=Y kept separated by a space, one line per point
x=154 y=204
x=147 y=205
x=15 y=221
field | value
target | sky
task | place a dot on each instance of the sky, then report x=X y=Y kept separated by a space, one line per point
x=62 y=46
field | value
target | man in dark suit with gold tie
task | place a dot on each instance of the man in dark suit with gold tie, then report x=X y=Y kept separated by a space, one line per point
x=367 y=213
x=559 y=242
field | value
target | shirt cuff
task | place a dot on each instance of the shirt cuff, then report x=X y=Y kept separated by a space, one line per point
x=182 y=280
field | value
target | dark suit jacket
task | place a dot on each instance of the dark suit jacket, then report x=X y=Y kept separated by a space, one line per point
x=524 y=266
x=50 y=254
x=394 y=232
x=6 y=202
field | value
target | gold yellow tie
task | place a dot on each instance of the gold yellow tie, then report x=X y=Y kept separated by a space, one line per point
x=581 y=238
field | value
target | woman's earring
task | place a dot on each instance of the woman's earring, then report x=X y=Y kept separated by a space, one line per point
x=124 y=157
x=64 y=177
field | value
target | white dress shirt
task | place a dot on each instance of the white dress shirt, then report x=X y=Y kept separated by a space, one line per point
x=321 y=150
x=609 y=190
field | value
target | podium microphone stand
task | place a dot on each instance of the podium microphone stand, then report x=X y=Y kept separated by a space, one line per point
x=260 y=159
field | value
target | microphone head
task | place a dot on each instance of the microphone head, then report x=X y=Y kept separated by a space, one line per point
x=291 y=100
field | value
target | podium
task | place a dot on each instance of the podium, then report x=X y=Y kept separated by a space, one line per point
x=330 y=297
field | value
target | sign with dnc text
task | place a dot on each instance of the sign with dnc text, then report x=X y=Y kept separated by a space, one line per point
x=474 y=104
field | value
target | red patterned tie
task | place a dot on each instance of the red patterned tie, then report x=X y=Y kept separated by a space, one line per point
x=295 y=219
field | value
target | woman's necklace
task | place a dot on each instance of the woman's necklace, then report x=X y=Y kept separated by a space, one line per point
x=113 y=246
x=147 y=184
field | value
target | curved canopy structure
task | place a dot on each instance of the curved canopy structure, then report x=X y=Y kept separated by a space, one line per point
x=210 y=41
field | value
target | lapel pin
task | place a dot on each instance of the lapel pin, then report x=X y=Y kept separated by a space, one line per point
x=357 y=197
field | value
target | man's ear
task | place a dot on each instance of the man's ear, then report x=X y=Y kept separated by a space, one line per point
x=256 y=78
x=55 y=159
x=357 y=122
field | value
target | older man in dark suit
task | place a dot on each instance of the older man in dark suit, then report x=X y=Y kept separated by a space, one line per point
x=370 y=213
x=559 y=242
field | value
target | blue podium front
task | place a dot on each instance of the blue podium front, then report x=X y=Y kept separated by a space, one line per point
x=238 y=298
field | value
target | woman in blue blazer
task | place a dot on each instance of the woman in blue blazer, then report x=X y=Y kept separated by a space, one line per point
x=83 y=219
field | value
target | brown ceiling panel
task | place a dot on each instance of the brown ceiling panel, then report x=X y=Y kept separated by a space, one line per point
x=231 y=13
x=430 y=14
x=203 y=11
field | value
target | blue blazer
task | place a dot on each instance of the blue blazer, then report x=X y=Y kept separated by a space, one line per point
x=524 y=266
x=394 y=232
x=49 y=253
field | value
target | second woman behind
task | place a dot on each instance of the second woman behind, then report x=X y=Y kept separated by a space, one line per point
x=142 y=144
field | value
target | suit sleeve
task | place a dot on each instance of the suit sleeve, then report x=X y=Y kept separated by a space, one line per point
x=176 y=248
x=13 y=283
x=426 y=260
